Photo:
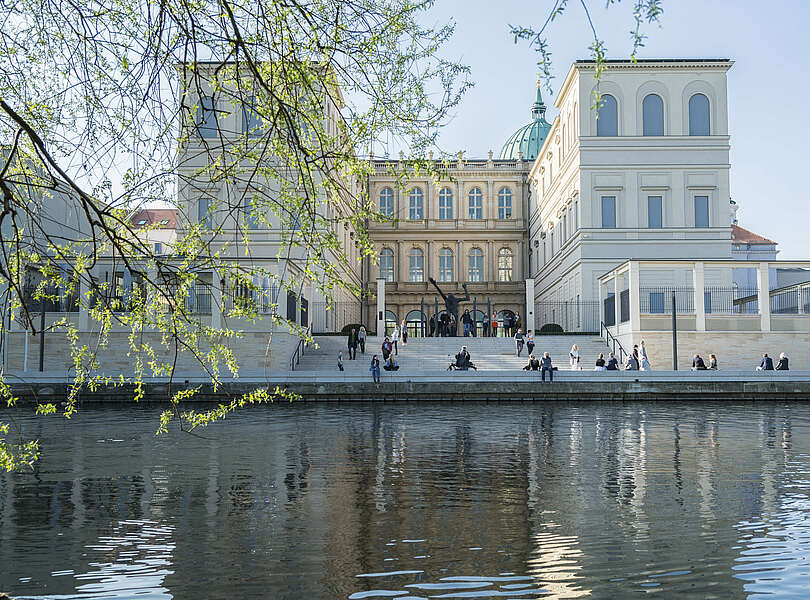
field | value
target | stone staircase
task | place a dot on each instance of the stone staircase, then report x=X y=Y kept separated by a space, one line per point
x=432 y=354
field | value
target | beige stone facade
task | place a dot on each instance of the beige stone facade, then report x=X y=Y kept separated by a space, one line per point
x=469 y=228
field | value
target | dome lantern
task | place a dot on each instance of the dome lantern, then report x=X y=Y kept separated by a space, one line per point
x=528 y=139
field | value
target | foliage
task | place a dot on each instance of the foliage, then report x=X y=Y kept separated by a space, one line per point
x=644 y=11
x=109 y=107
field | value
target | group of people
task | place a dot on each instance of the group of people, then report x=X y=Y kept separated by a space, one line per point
x=766 y=364
x=444 y=325
x=637 y=360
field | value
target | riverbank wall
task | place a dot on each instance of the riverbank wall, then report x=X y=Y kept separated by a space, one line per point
x=455 y=386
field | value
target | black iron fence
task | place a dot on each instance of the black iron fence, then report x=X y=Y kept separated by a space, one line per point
x=789 y=301
x=658 y=300
x=574 y=316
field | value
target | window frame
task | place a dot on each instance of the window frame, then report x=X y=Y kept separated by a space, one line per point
x=692 y=124
x=416 y=265
x=207 y=129
x=506 y=265
x=605 y=129
x=416 y=204
x=505 y=203
x=475 y=194
x=472 y=269
x=445 y=204
x=695 y=205
x=660 y=224
x=445 y=256
x=647 y=129
x=387 y=273
x=389 y=196
x=603 y=198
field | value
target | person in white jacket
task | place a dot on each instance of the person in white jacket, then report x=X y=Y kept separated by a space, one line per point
x=395 y=339
x=573 y=357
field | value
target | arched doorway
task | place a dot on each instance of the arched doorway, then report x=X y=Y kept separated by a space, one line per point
x=390 y=322
x=506 y=323
x=414 y=322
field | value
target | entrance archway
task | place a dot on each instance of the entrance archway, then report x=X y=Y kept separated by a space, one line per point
x=414 y=321
x=390 y=322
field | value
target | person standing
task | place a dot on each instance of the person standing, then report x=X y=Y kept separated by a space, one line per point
x=530 y=341
x=431 y=325
x=485 y=325
x=782 y=365
x=340 y=361
x=395 y=340
x=375 y=369
x=361 y=338
x=404 y=330
x=352 y=344
x=519 y=341
x=494 y=324
x=466 y=321
x=573 y=357
x=517 y=323
x=645 y=362
x=545 y=365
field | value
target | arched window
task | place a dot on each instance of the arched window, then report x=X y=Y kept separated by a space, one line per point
x=504 y=264
x=505 y=203
x=446 y=203
x=607 y=121
x=415 y=204
x=475 y=271
x=387 y=202
x=387 y=264
x=699 y=123
x=416 y=270
x=476 y=203
x=445 y=264
x=652 y=114
x=416 y=323
x=203 y=214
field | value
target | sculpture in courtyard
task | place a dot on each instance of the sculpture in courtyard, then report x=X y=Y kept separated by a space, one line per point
x=451 y=302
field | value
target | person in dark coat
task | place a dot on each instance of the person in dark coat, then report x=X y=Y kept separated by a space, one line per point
x=697 y=363
x=387 y=347
x=545 y=366
x=352 y=344
x=782 y=365
x=533 y=364
x=712 y=362
x=612 y=363
x=766 y=364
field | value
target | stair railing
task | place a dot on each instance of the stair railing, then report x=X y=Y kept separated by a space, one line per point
x=611 y=342
x=299 y=349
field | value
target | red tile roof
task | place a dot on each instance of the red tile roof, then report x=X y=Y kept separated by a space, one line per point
x=740 y=235
x=162 y=218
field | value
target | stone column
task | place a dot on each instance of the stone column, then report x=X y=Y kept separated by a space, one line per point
x=428 y=262
x=635 y=299
x=399 y=260
x=380 y=306
x=698 y=281
x=616 y=302
x=461 y=272
x=799 y=291
x=216 y=300
x=490 y=274
x=764 y=296
x=85 y=300
x=529 y=305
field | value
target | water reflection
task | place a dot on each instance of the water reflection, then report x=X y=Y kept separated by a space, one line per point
x=417 y=501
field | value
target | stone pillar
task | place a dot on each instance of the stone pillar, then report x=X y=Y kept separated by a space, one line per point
x=529 y=305
x=764 y=296
x=216 y=300
x=380 y=306
x=399 y=260
x=490 y=274
x=85 y=300
x=635 y=299
x=616 y=303
x=461 y=272
x=428 y=262
x=799 y=291
x=698 y=280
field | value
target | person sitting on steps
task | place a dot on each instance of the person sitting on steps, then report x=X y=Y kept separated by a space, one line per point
x=391 y=364
x=533 y=364
x=462 y=362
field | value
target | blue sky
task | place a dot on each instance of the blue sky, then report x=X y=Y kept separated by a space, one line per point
x=768 y=85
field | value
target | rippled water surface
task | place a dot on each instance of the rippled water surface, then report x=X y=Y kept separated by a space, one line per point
x=416 y=501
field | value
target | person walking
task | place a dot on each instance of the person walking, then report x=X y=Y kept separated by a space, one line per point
x=361 y=339
x=404 y=336
x=766 y=364
x=530 y=341
x=612 y=363
x=352 y=344
x=387 y=348
x=519 y=341
x=782 y=365
x=600 y=363
x=395 y=340
x=573 y=358
x=545 y=365
x=645 y=362
x=375 y=369
x=340 y=361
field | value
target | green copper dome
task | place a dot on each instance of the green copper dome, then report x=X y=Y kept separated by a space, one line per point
x=529 y=138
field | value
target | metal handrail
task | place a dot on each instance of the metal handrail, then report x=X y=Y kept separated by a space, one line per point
x=611 y=339
x=299 y=349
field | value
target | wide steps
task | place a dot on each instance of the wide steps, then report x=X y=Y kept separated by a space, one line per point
x=429 y=354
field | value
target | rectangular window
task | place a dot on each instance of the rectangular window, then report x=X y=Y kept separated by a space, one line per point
x=609 y=212
x=445 y=207
x=203 y=217
x=250 y=219
x=207 y=118
x=657 y=303
x=701 y=211
x=655 y=212
x=158 y=248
